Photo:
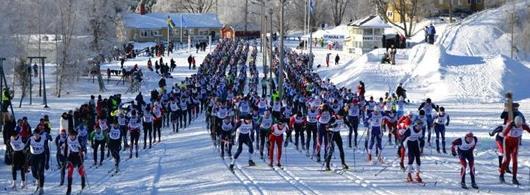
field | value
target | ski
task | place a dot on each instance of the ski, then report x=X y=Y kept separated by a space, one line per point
x=423 y=184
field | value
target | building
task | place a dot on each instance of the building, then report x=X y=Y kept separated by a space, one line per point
x=153 y=27
x=466 y=6
x=441 y=6
x=365 y=34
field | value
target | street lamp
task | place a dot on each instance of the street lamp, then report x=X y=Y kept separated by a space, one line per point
x=280 y=69
x=261 y=3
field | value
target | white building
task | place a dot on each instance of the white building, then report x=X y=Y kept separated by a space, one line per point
x=365 y=35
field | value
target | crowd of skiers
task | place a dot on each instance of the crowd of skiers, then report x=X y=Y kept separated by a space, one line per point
x=316 y=111
x=226 y=88
x=107 y=125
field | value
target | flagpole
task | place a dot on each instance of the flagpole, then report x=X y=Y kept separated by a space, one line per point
x=310 y=42
x=181 y=28
x=168 y=28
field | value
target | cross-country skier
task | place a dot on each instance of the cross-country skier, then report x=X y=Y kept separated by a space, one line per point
x=403 y=124
x=122 y=122
x=157 y=122
x=115 y=144
x=441 y=120
x=174 y=112
x=297 y=123
x=227 y=131
x=428 y=107
x=265 y=129
x=411 y=141
x=353 y=121
x=276 y=138
x=256 y=120
x=134 y=129
x=147 y=123
x=60 y=140
x=391 y=125
x=376 y=134
x=244 y=128
x=18 y=160
x=74 y=155
x=97 y=141
x=334 y=134
x=82 y=136
x=465 y=147
x=311 y=129
x=38 y=145
x=512 y=134
x=324 y=119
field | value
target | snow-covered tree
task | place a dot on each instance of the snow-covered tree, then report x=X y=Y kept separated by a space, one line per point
x=104 y=16
x=406 y=9
x=188 y=6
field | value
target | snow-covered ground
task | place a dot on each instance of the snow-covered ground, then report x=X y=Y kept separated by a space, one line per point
x=469 y=86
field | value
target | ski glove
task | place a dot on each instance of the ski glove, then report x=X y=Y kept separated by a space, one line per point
x=453 y=153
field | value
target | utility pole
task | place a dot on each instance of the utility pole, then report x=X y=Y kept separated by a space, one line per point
x=263 y=42
x=246 y=15
x=271 y=56
x=450 y=11
x=305 y=22
x=513 y=31
x=280 y=69
x=310 y=27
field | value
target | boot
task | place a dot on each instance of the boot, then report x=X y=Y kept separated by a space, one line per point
x=418 y=178
x=369 y=157
x=445 y=152
x=83 y=182
x=402 y=166
x=318 y=158
x=279 y=165
x=117 y=169
x=409 y=177
x=41 y=191
x=344 y=166
x=23 y=184
x=13 y=185
x=463 y=185
x=328 y=168
x=231 y=167
x=515 y=181
x=474 y=185
x=251 y=163
x=501 y=178
x=69 y=188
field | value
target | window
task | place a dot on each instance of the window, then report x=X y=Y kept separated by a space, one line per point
x=368 y=31
x=149 y=33
x=378 y=31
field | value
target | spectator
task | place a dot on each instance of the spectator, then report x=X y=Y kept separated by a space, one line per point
x=393 y=52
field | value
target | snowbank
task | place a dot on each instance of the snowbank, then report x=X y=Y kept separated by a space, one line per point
x=482 y=34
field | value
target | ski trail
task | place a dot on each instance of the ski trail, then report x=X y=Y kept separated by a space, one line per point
x=248 y=179
x=292 y=177
x=293 y=181
x=154 y=188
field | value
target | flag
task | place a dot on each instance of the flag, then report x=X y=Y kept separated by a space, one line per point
x=312 y=6
x=170 y=22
